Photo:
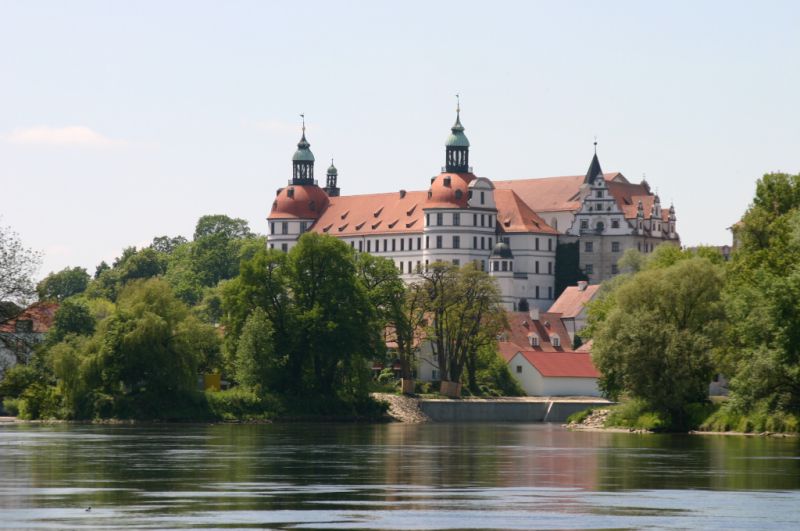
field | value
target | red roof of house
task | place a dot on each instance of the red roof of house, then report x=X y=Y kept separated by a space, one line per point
x=562 y=364
x=41 y=313
x=522 y=326
x=449 y=190
x=507 y=349
x=572 y=300
x=551 y=194
x=513 y=215
x=371 y=214
x=299 y=201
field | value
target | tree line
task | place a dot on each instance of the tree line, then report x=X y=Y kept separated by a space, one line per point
x=292 y=332
x=678 y=319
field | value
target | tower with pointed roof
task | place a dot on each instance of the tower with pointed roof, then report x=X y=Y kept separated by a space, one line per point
x=303 y=161
x=330 y=184
x=457 y=147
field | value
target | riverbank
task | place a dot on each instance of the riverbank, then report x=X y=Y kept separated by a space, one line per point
x=415 y=409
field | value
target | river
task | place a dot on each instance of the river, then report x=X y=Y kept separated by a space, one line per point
x=391 y=476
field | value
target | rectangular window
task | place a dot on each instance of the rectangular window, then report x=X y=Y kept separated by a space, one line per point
x=409 y=267
x=614 y=247
x=272 y=246
x=483 y=220
x=519 y=369
x=599 y=193
x=536 y=267
x=303 y=226
x=588 y=247
x=639 y=246
x=369 y=246
x=483 y=243
x=504 y=265
x=549 y=244
x=272 y=228
x=428 y=220
x=549 y=268
x=474 y=220
x=536 y=246
x=400 y=266
x=402 y=244
x=589 y=269
x=417 y=264
x=438 y=242
x=394 y=245
x=360 y=246
x=556 y=341
x=614 y=269
x=410 y=243
x=419 y=243
x=456 y=218
x=456 y=262
x=284 y=247
x=434 y=374
x=537 y=292
x=483 y=265
x=490 y=221
x=427 y=242
x=614 y=223
x=352 y=245
x=549 y=292
x=284 y=227
x=584 y=224
x=456 y=242
x=482 y=197
x=439 y=218
x=474 y=242
x=385 y=245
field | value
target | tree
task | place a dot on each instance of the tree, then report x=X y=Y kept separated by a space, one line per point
x=66 y=283
x=218 y=224
x=166 y=244
x=465 y=314
x=218 y=246
x=257 y=365
x=18 y=264
x=72 y=317
x=655 y=334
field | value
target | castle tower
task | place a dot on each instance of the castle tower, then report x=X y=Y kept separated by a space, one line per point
x=330 y=184
x=457 y=147
x=303 y=160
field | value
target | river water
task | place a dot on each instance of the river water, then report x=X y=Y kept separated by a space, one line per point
x=391 y=476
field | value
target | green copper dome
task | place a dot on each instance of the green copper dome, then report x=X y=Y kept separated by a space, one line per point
x=303 y=153
x=457 y=137
x=332 y=170
x=502 y=250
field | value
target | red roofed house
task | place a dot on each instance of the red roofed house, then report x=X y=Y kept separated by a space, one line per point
x=571 y=304
x=539 y=353
x=20 y=334
x=509 y=228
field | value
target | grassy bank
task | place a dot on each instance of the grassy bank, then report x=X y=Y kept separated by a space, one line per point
x=713 y=416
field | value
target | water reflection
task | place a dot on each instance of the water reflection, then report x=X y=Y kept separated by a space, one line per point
x=438 y=476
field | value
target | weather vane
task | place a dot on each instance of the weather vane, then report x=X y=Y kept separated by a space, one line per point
x=458 y=102
x=303 y=116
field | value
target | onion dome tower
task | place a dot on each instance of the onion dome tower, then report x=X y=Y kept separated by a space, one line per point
x=457 y=146
x=303 y=160
x=330 y=184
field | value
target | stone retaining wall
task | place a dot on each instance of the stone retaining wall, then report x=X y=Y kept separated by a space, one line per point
x=505 y=410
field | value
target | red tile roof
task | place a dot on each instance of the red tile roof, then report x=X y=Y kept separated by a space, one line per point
x=550 y=194
x=41 y=313
x=521 y=326
x=572 y=300
x=562 y=364
x=306 y=201
x=513 y=215
x=387 y=213
x=449 y=190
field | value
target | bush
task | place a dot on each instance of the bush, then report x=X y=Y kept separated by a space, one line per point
x=759 y=420
x=241 y=404
x=635 y=414
x=579 y=416
x=11 y=406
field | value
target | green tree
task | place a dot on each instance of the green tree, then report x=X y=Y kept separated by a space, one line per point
x=72 y=317
x=257 y=365
x=18 y=264
x=66 y=283
x=655 y=336
x=166 y=244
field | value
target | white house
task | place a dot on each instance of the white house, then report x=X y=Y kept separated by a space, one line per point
x=555 y=373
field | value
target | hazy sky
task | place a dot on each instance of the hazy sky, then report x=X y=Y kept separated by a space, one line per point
x=124 y=121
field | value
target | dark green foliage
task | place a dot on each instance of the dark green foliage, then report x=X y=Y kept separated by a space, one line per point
x=66 y=283
x=492 y=375
x=72 y=317
x=568 y=271
x=165 y=244
x=242 y=404
x=257 y=366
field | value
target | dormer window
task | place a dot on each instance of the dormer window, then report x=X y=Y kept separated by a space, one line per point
x=555 y=340
x=533 y=340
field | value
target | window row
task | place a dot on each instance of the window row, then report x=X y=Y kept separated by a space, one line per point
x=478 y=220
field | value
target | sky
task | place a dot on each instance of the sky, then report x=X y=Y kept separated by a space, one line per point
x=121 y=121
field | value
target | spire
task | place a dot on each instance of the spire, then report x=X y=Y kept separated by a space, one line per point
x=330 y=184
x=457 y=145
x=594 y=167
x=303 y=160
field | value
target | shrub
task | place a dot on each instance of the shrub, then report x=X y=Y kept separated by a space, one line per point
x=11 y=406
x=579 y=416
x=240 y=403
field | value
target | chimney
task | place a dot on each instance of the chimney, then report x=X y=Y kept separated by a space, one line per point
x=582 y=285
x=534 y=313
x=402 y=194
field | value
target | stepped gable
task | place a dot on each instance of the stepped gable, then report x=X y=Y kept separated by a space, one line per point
x=550 y=194
x=572 y=300
x=371 y=214
x=514 y=215
x=628 y=196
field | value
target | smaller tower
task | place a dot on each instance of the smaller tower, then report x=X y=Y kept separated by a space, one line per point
x=330 y=184
x=457 y=146
x=303 y=160
x=594 y=168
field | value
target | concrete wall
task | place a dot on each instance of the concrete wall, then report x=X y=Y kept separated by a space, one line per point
x=503 y=410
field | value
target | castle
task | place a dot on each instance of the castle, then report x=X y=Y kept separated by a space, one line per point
x=510 y=228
